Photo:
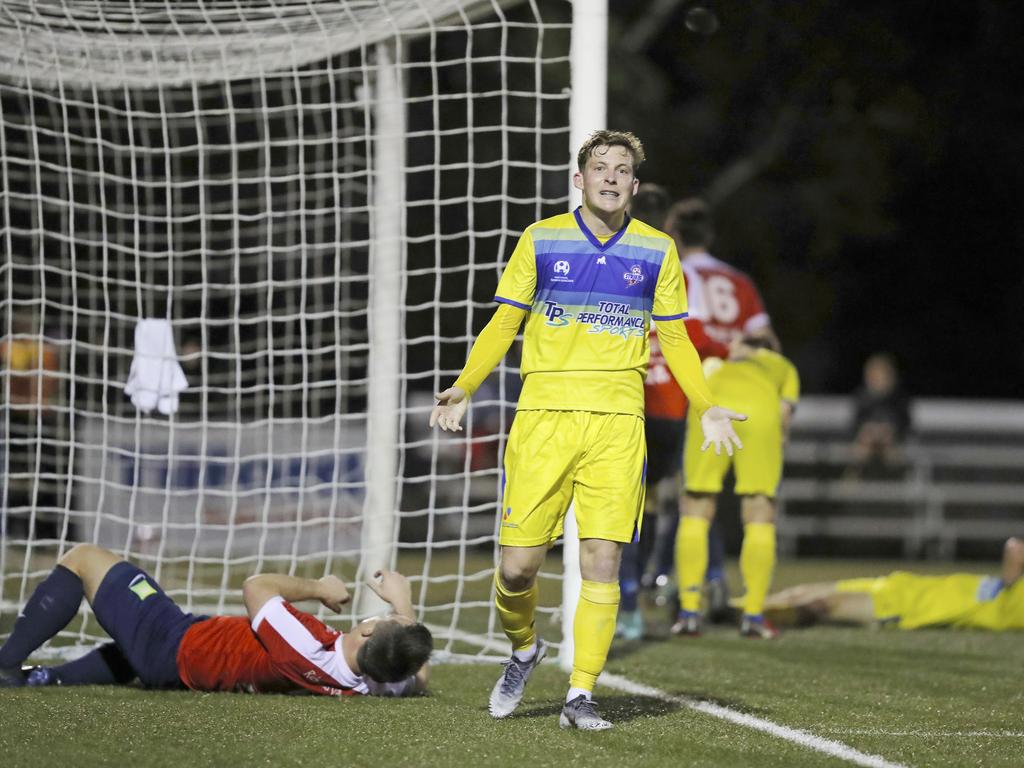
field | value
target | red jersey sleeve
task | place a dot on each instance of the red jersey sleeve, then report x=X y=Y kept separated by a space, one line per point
x=753 y=315
x=706 y=346
x=663 y=397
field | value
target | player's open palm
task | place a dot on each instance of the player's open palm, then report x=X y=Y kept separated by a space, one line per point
x=333 y=592
x=718 y=431
x=451 y=407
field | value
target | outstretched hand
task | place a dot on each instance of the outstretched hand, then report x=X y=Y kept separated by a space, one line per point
x=717 y=425
x=451 y=407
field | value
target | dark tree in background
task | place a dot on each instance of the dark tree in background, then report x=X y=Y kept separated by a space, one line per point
x=865 y=165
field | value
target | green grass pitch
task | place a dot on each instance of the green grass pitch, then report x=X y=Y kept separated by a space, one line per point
x=930 y=698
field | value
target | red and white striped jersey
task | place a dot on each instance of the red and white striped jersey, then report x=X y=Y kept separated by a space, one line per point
x=284 y=649
x=722 y=303
x=725 y=299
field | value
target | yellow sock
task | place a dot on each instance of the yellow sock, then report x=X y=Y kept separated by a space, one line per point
x=592 y=631
x=516 y=611
x=691 y=560
x=757 y=561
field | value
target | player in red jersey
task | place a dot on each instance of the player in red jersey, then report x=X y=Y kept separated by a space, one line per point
x=275 y=649
x=725 y=298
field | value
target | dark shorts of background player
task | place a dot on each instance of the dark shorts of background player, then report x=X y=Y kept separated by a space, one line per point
x=145 y=623
x=665 y=438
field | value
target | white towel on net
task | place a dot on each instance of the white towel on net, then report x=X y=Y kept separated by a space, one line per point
x=155 y=378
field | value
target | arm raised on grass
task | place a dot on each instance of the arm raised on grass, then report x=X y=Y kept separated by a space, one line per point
x=258 y=589
x=394 y=589
x=1013 y=560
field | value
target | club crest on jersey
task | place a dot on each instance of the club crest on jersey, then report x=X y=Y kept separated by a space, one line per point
x=635 y=276
x=560 y=272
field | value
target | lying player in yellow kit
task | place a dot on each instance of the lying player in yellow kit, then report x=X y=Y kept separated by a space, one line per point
x=912 y=601
x=767 y=385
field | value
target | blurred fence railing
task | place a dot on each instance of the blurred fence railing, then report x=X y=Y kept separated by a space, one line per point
x=959 y=478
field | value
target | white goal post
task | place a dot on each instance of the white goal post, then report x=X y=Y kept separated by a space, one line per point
x=318 y=198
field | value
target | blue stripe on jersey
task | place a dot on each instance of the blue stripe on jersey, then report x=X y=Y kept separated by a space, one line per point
x=587 y=299
x=562 y=249
x=503 y=300
x=575 y=278
x=662 y=318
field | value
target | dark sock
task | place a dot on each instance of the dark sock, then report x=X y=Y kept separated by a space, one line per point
x=629 y=577
x=54 y=603
x=101 y=666
x=716 y=552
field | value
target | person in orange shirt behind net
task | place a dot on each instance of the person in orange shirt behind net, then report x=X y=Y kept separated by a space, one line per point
x=34 y=433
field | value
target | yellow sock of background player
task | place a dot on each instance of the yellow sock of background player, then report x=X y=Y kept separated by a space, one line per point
x=593 y=630
x=691 y=560
x=516 y=610
x=757 y=561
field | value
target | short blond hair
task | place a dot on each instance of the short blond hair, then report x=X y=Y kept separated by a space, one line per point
x=611 y=139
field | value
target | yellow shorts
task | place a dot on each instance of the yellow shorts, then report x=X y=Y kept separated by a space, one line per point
x=554 y=457
x=758 y=465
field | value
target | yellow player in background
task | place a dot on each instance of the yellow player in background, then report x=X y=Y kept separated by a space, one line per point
x=768 y=386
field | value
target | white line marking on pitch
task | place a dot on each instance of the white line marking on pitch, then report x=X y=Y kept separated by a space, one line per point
x=927 y=734
x=795 y=735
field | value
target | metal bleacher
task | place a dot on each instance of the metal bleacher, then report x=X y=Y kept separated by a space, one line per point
x=960 y=479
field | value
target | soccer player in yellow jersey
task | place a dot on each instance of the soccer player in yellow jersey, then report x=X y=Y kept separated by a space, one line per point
x=767 y=385
x=912 y=601
x=587 y=284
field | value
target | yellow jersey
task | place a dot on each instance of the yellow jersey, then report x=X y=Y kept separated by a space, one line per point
x=754 y=385
x=590 y=304
x=913 y=600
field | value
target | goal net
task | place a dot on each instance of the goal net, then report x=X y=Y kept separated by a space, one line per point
x=317 y=199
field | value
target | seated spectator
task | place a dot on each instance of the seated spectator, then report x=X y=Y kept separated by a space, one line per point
x=881 y=420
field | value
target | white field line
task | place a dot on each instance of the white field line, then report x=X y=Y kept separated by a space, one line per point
x=988 y=734
x=795 y=735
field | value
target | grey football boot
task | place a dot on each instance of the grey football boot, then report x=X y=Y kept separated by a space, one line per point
x=581 y=713
x=508 y=691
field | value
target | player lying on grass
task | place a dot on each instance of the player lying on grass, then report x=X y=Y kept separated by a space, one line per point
x=276 y=649
x=912 y=601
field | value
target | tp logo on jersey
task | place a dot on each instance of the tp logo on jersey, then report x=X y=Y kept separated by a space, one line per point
x=635 y=276
x=554 y=313
x=561 y=268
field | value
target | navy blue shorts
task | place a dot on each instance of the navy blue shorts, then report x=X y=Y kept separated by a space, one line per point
x=145 y=623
